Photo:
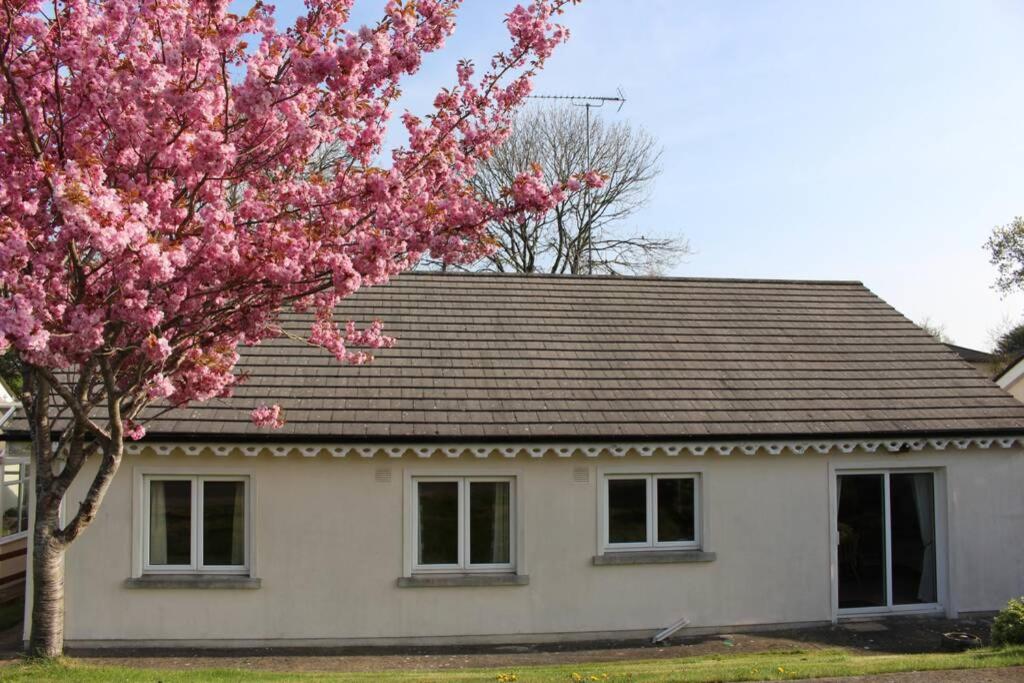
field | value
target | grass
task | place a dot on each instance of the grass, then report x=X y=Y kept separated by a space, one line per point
x=789 y=665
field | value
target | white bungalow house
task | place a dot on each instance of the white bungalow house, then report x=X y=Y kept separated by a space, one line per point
x=553 y=458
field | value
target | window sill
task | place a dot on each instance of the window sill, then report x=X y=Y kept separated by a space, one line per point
x=200 y=581
x=456 y=580
x=653 y=557
x=13 y=537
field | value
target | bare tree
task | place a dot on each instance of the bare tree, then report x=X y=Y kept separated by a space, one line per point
x=935 y=329
x=586 y=232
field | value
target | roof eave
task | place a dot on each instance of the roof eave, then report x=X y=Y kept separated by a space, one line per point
x=280 y=439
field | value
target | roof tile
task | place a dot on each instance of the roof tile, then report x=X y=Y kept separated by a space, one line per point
x=542 y=357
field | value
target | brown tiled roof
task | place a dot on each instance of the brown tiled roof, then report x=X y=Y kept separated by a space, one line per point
x=499 y=357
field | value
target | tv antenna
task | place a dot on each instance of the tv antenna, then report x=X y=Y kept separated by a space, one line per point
x=588 y=102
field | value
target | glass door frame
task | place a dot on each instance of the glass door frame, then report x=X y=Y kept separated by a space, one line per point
x=941 y=557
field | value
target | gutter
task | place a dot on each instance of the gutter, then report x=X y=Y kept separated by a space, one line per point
x=278 y=439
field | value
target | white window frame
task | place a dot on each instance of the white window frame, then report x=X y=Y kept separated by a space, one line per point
x=463 y=565
x=25 y=482
x=196 y=548
x=652 y=542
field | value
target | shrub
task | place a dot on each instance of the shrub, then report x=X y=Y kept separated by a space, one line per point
x=1008 y=627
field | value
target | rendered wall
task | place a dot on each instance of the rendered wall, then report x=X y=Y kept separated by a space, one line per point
x=328 y=547
x=1016 y=389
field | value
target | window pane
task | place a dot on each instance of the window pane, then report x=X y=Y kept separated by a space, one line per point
x=861 y=528
x=170 y=522
x=675 y=510
x=223 y=523
x=9 y=509
x=912 y=525
x=24 y=506
x=489 y=516
x=439 y=522
x=627 y=510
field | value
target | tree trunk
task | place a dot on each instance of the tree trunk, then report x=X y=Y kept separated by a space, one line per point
x=54 y=474
x=47 y=636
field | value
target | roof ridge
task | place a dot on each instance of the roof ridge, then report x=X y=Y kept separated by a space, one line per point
x=625 y=278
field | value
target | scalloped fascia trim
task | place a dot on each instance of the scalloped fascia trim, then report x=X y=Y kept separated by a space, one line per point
x=586 y=450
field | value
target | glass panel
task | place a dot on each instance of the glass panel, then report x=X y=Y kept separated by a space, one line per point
x=170 y=523
x=12 y=473
x=675 y=510
x=861 y=527
x=223 y=523
x=9 y=509
x=24 y=505
x=489 y=518
x=912 y=519
x=627 y=510
x=438 y=503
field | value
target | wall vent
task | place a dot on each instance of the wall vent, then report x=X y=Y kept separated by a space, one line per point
x=581 y=474
x=382 y=475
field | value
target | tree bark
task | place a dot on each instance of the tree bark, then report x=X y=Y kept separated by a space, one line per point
x=46 y=638
x=54 y=474
x=47 y=635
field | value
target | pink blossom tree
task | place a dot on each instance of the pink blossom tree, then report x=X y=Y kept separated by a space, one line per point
x=168 y=188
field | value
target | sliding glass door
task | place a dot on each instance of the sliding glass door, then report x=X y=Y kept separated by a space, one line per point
x=886 y=531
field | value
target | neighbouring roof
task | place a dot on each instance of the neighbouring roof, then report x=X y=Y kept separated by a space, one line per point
x=971 y=355
x=512 y=357
x=1010 y=372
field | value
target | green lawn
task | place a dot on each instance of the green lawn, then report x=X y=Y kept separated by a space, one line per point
x=772 y=665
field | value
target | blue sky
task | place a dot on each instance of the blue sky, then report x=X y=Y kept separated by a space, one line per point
x=872 y=140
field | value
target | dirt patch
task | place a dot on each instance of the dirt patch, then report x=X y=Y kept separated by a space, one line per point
x=895 y=635
x=10 y=640
x=1006 y=675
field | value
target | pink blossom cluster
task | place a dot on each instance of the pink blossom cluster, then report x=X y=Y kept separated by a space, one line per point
x=134 y=431
x=267 y=416
x=531 y=194
x=160 y=204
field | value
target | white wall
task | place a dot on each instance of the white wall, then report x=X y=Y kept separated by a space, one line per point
x=329 y=548
x=1014 y=387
